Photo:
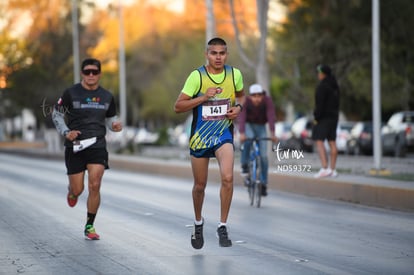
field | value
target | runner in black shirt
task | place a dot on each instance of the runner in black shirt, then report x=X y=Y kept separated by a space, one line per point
x=81 y=116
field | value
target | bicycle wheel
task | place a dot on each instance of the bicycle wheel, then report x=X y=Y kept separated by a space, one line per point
x=258 y=184
x=258 y=193
x=249 y=188
x=252 y=185
x=252 y=192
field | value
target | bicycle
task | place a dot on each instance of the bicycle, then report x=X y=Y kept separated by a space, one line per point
x=252 y=179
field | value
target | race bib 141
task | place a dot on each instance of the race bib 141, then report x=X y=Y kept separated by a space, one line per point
x=215 y=109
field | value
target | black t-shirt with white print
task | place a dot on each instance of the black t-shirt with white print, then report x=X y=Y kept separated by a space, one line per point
x=86 y=111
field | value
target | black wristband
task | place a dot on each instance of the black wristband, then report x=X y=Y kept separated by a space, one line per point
x=239 y=105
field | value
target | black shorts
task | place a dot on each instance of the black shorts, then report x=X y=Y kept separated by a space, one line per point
x=325 y=129
x=77 y=162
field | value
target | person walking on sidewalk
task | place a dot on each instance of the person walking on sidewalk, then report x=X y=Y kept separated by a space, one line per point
x=88 y=110
x=214 y=93
x=326 y=115
x=258 y=110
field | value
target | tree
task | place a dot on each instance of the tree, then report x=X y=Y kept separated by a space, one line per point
x=260 y=66
x=162 y=47
x=339 y=33
x=46 y=55
x=210 y=21
x=159 y=45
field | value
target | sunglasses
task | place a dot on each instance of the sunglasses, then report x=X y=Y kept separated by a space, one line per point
x=91 y=71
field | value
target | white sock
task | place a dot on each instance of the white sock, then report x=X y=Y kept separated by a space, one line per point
x=222 y=224
x=198 y=222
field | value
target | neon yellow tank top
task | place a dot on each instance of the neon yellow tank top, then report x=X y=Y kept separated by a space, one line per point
x=210 y=127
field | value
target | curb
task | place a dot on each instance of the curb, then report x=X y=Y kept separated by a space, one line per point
x=395 y=198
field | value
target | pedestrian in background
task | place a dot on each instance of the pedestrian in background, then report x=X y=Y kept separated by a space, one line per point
x=326 y=115
x=258 y=111
x=211 y=92
x=82 y=115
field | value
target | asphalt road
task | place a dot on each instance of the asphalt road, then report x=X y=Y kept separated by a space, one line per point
x=145 y=225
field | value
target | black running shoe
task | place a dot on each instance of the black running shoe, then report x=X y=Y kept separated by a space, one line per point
x=197 y=240
x=223 y=237
x=264 y=190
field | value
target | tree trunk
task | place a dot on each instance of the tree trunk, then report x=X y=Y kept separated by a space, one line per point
x=262 y=70
x=211 y=23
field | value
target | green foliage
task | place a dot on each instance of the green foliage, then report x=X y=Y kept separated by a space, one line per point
x=163 y=137
x=279 y=89
x=162 y=74
x=44 y=65
x=338 y=33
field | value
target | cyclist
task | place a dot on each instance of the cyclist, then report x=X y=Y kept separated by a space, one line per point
x=258 y=110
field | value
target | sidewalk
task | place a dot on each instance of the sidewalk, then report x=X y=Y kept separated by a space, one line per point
x=360 y=189
x=354 y=188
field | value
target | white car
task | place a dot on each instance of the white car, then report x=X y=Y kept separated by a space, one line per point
x=343 y=134
x=143 y=136
x=398 y=134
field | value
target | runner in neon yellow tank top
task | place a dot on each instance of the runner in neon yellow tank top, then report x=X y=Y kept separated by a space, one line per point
x=215 y=95
x=211 y=127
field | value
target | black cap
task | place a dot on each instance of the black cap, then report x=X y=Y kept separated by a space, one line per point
x=91 y=61
x=325 y=69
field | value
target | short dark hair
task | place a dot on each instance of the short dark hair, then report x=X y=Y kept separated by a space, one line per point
x=216 y=41
x=91 y=61
x=325 y=69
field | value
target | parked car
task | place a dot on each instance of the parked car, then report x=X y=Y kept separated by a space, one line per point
x=398 y=134
x=125 y=136
x=361 y=140
x=283 y=133
x=302 y=134
x=181 y=133
x=343 y=133
x=143 y=136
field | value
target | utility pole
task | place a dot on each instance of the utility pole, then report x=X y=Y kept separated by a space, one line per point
x=75 y=41
x=376 y=86
x=122 y=77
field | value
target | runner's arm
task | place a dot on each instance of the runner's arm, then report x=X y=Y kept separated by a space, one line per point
x=59 y=121
x=113 y=123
